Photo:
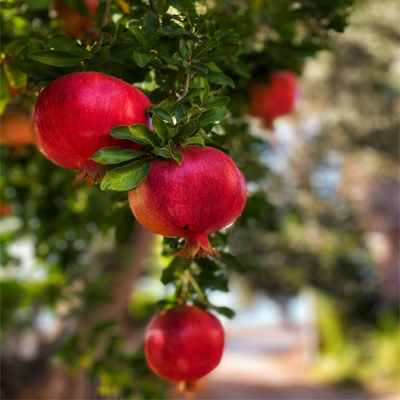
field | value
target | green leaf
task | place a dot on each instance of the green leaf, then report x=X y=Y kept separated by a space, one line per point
x=56 y=58
x=210 y=116
x=160 y=127
x=35 y=45
x=149 y=22
x=69 y=45
x=220 y=79
x=115 y=155
x=32 y=69
x=138 y=133
x=162 y=112
x=204 y=48
x=127 y=177
x=185 y=130
x=4 y=93
x=162 y=6
x=210 y=30
x=216 y=102
x=15 y=77
x=220 y=53
x=196 y=140
x=99 y=58
x=200 y=82
x=142 y=56
x=231 y=262
x=166 y=152
x=181 y=111
x=182 y=5
x=227 y=312
x=16 y=46
x=240 y=68
x=194 y=92
x=183 y=48
x=178 y=157
x=175 y=269
x=200 y=66
x=141 y=37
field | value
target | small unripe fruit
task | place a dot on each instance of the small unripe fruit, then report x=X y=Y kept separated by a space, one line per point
x=184 y=343
x=203 y=195
x=74 y=114
x=274 y=100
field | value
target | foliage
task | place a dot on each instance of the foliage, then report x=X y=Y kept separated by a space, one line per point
x=195 y=61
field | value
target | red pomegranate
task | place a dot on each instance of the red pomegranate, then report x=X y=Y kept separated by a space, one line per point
x=274 y=100
x=203 y=195
x=184 y=343
x=75 y=24
x=74 y=114
x=16 y=127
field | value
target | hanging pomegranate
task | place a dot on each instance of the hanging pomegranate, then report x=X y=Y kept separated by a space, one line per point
x=184 y=343
x=74 y=114
x=204 y=194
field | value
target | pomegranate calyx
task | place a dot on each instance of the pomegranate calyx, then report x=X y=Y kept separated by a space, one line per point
x=197 y=247
x=91 y=171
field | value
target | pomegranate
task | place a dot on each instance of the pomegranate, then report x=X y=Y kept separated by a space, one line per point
x=274 y=100
x=74 y=114
x=184 y=343
x=5 y=209
x=203 y=195
x=16 y=127
x=75 y=24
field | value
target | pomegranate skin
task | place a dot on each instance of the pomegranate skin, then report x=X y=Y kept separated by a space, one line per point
x=274 y=100
x=184 y=343
x=74 y=114
x=203 y=195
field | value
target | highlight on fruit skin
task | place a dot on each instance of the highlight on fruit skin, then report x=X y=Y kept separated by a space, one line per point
x=204 y=194
x=16 y=127
x=273 y=100
x=184 y=343
x=74 y=114
x=75 y=24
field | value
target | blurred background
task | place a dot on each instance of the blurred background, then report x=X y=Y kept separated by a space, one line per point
x=317 y=294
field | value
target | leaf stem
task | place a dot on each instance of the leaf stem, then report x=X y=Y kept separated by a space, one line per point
x=105 y=21
x=196 y=287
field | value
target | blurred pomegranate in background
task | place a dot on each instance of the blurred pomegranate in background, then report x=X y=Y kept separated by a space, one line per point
x=16 y=127
x=273 y=100
x=75 y=24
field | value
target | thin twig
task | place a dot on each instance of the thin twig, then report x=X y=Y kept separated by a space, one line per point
x=172 y=17
x=154 y=8
x=105 y=21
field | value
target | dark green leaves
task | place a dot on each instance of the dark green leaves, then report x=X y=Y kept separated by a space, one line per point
x=115 y=155
x=204 y=48
x=139 y=133
x=127 y=177
x=69 y=45
x=99 y=58
x=160 y=127
x=210 y=116
x=182 y=5
x=142 y=56
x=57 y=58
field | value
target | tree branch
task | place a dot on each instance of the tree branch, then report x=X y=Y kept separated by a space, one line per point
x=105 y=21
x=154 y=8
x=185 y=85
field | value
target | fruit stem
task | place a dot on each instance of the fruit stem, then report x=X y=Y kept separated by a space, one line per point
x=105 y=21
x=202 y=296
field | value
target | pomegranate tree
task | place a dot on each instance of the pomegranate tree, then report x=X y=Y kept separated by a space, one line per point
x=204 y=194
x=73 y=116
x=274 y=100
x=184 y=343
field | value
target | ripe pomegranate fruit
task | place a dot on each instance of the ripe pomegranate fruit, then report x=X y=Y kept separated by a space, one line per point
x=184 y=343
x=16 y=127
x=74 y=114
x=274 y=100
x=5 y=209
x=75 y=24
x=203 y=195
